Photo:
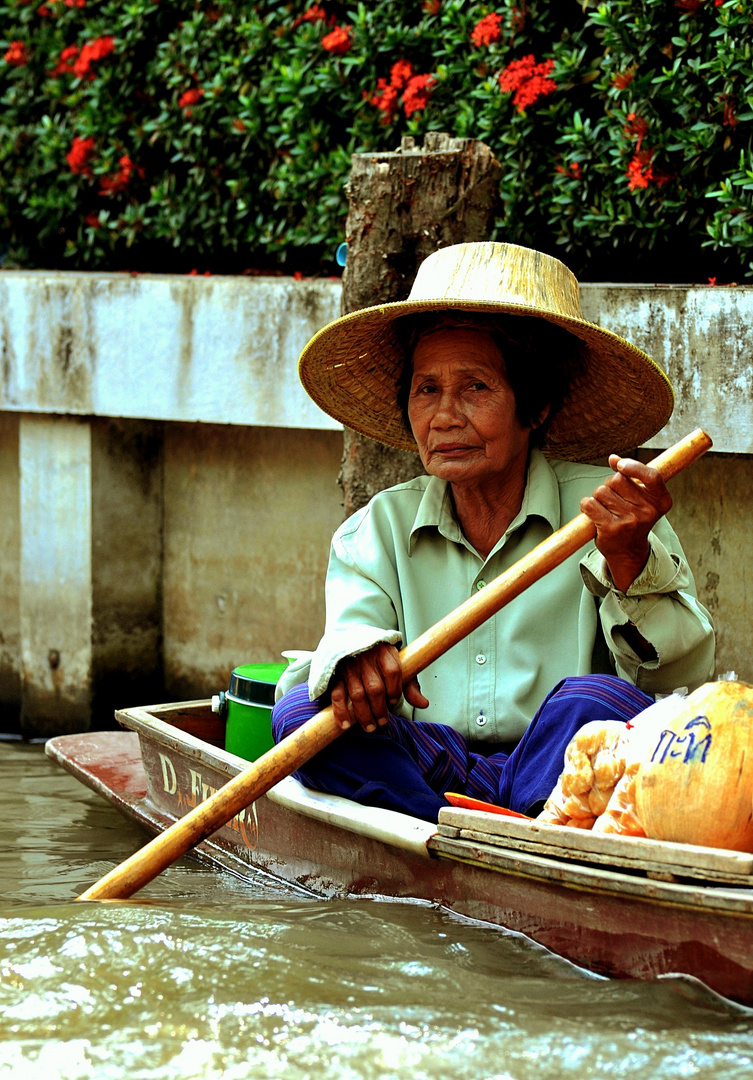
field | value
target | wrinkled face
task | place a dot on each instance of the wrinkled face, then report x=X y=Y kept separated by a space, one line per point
x=462 y=408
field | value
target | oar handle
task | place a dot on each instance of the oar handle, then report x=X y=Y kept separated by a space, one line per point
x=297 y=748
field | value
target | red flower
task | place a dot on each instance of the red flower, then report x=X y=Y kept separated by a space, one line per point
x=400 y=73
x=528 y=80
x=315 y=13
x=43 y=10
x=338 y=41
x=385 y=98
x=92 y=221
x=190 y=97
x=623 y=79
x=417 y=93
x=91 y=52
x=431 y=7
x=64 y=65
x=487 y=30
x=75 y=3
x=573 y=169
x=729 y=117
x=640 y=172
x=17 y=54
x=688 y=6
x=79 y=155
x=712 y=280
x=114 y=185
x=636 y=125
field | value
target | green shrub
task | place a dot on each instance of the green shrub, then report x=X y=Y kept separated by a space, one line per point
x=179 y=134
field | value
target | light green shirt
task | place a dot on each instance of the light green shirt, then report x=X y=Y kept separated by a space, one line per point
x=400 y=564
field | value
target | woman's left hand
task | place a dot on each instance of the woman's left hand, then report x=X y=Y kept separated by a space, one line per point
x=624 y=510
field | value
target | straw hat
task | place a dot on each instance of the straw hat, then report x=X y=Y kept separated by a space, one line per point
x=620 y=398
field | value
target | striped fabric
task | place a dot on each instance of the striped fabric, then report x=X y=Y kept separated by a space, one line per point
x=409 y=765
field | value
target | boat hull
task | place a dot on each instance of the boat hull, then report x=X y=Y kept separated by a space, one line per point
x=612 y=921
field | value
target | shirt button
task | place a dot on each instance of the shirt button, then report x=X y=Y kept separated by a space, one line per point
x=480 y=659
x=480 y=584
x=481 y=719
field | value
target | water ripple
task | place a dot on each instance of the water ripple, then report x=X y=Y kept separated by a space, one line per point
x=205 y=977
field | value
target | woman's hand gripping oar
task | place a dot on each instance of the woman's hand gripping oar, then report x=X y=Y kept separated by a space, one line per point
x=296 y=749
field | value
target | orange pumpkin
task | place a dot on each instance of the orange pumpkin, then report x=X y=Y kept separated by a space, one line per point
x=697 y=785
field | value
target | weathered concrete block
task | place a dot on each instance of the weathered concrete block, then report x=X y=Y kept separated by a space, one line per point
x=701 y=337
x=88 y=568
x=248 y=516
x=55 y=572
x=10 y=578
x=711 y=514
x=218 y=350
x=127 y=543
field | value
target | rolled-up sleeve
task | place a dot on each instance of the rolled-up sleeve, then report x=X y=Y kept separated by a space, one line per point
x=662 y=605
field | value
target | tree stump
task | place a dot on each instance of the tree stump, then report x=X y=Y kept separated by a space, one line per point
x=403 y=206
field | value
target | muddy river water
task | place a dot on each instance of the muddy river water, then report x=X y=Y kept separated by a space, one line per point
x=204 y=976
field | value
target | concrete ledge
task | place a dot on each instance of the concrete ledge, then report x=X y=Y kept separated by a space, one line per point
x=701 y=337
x=223 y=350
x=219 y=350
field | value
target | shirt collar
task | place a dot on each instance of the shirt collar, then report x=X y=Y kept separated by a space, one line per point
x=435 y=511
x=541 y=499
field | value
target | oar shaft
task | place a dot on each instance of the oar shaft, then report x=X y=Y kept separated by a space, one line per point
x=245 y=788
x=288 y=755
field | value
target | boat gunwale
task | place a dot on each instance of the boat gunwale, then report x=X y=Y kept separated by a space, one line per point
x=570 y=868
x=703 y=864
x=601 y=880
x=398 y=830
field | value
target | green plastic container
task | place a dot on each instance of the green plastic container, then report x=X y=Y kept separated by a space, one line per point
x=248 y=706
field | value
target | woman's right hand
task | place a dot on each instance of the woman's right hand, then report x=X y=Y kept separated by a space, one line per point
x=366 y=686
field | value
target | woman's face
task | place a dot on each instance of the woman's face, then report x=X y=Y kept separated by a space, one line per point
x=462 y=409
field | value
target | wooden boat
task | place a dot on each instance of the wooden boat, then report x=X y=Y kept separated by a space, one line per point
x=618 y=906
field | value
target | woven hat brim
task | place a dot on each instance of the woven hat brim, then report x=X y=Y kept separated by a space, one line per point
x=619 y=400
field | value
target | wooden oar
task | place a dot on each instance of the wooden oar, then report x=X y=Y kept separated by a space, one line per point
x=288 y=755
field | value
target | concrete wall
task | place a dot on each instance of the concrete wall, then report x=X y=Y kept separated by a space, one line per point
x=701 y=337
x=218 y=350
x=712 y=515
x=10 y=575
x=169 y=491
x=248 y=515
x=55 y=455
x=127 y=547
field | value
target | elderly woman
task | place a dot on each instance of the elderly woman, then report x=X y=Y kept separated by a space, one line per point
x=491 y=373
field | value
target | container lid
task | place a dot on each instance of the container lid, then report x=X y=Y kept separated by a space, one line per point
x=255 y=683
